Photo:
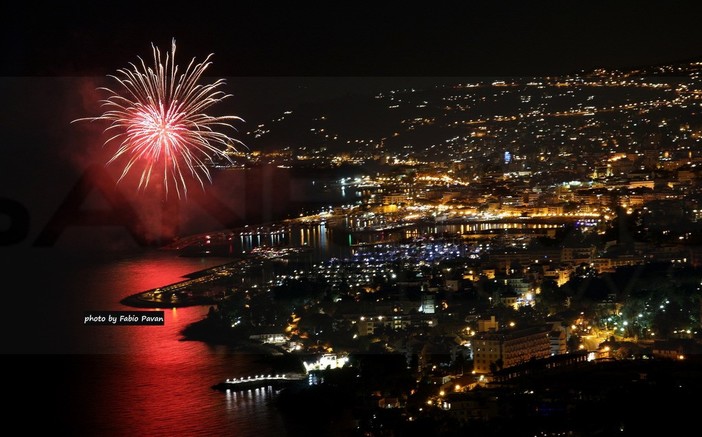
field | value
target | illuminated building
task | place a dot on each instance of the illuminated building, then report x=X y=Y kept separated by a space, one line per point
x=497 y=350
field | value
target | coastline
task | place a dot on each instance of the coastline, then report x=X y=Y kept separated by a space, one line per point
x=210 y=332
x=193 y=291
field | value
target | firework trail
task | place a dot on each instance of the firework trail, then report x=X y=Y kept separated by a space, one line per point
x=159 y=121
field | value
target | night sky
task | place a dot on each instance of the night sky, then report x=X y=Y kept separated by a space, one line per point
x=470 y=38
x=56 y=54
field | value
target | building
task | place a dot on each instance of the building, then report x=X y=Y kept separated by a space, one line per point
x=368 y=325
x=497 y=350
x=558 y=338
x=273 y=337
x=485 y=325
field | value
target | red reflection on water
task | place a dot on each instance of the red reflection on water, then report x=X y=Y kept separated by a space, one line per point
x=103 y=287
x=147 y=273
x=150 y=382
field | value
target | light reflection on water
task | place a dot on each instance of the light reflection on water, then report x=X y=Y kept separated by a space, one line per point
x=145 y=380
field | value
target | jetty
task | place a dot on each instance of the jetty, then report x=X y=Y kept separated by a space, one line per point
x=256 y=381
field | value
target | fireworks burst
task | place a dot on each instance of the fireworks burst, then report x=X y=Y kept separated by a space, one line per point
x=159 y=121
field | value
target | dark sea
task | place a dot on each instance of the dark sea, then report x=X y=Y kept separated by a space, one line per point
x=137 y=380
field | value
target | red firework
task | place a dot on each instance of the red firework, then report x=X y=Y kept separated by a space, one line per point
x=159 y=121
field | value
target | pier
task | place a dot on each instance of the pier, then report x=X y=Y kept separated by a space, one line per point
x=246 y=382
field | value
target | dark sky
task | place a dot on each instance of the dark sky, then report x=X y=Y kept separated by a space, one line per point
x=467 y=38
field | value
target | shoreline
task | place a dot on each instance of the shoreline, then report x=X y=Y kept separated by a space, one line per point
x=185 y=293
